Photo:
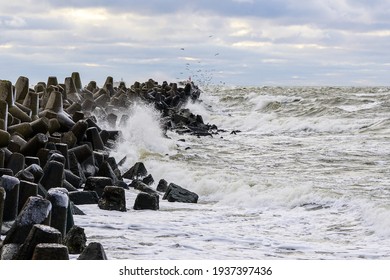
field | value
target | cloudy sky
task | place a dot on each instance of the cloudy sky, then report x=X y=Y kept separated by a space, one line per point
x=237 y=42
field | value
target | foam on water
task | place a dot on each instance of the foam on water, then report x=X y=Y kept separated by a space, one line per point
x=306 y=178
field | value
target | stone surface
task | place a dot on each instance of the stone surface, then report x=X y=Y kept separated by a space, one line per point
x=75 y=240
x=146 y=201
x=113 y=198
x=94 y=251
x=175 y=193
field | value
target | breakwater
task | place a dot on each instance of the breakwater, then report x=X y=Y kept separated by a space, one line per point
x=55 y=156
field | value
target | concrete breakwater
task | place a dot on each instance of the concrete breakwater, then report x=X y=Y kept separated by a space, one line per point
x=55 y=156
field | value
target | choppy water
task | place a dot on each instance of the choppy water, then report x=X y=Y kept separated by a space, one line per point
x=306 y=178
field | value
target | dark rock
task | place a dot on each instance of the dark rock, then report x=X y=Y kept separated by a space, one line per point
x=36 y=171
x=175 y=193
x=141 y=186
x=35 y=211
x=105 y=170
x=59 y=200
x=25 y=175
x=97 y=184
x=11 y=186
x=50 y=251
x=82 y=152
x=148 y=180
x=113 y=198
x=6 y=171
x=16 y=162
x=2 y=200
x=75 y=210
x=84 y=197
x=53 y=175
x=75 y=240
x=146 y=201
x=38 y=234
x=26 y=189
x=93 y=137
x=162 y=186
x=31 y=160
x=73 y=179
x=94 y=251
x=138 y=171
x=9 y=251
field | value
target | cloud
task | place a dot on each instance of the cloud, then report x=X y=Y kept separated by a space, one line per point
x=256 y=40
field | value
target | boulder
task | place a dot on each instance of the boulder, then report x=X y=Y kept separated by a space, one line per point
x=11 y=186
x=113 y=198
x=94 y=251
x=162 y=185
x=141 y=186
x=75 y=240
x=36 y=211
x=146 y=201
x=137 y=171
x=175 y=193
x=38 y=234
x=97 y=184
x=50 y=251
x=84 y=197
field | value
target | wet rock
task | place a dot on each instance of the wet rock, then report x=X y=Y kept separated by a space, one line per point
x=113 y=198
x=36 y=171
x=97 y=184
x=26 y=190
x=141 y=186
x=16 y=162
x=146 y=201
x=60 y=201
x=75 y=240
x=175 y=193
x=50 y=251
x=38 y=234
x=84 y=197
x=94 y=251
x=2 y=200
x=137 y=171
x=148 y=180
x=53 y=175
x=9 y=251
x=162 y=186
x=11 y=186
x=36 y=211
x=94 y=138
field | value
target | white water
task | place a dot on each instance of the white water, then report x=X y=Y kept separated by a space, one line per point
x=306 y=178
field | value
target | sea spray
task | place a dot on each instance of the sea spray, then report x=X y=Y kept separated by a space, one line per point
x=142 y=135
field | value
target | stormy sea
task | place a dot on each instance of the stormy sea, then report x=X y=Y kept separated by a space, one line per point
x=293 y=173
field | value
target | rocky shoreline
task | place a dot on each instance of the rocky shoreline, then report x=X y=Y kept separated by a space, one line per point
x=55 y=156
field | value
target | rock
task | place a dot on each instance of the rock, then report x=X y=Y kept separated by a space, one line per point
x=4 y=138
x=148 y=180
x=36 y=211
x=97 y=184
x=50 y=251
x=113 y=198
x=73 y=179
x=38 y=234
x=175 y=193
x=94 y=138
x=141 y=186
x=11 y=186
x=75 y=240
x=26 y=189
x=105 y=170
x=162 y=186
x=137 y=171
x=59 y=200
x=2 y=200
x=146 y=201
x=84 y=197
x=53 y=175
x=9 y=251
x=16 y=162
x=94 y=251
x=36 y=171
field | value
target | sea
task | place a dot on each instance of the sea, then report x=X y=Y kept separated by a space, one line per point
x=293 y=173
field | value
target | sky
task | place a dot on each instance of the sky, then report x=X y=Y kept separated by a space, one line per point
x=232 y=42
